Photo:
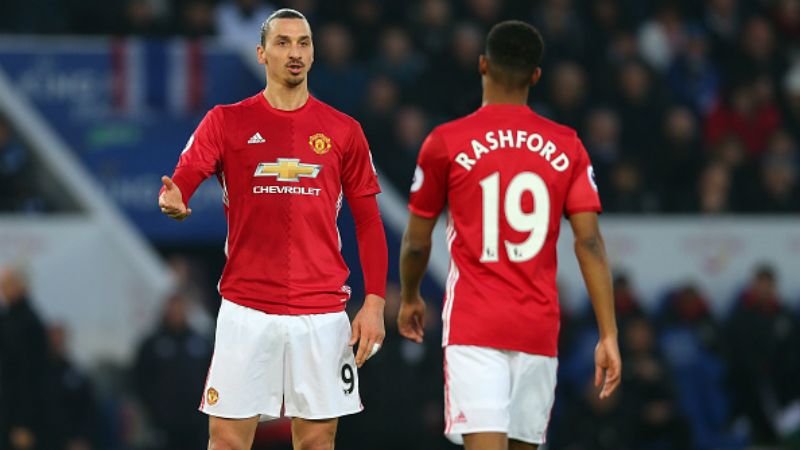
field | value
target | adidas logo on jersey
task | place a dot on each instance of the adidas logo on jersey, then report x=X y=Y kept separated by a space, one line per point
x=461 y=418
x=256 y=139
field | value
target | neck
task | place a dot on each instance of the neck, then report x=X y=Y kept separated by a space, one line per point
x=286 y=98
x=500 y=95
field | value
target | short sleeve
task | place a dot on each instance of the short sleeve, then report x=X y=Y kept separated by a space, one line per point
x=582 y=193
x=429 y=188
x=359 y=177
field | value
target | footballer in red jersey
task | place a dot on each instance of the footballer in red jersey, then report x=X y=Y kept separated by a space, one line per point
x=507 y=176
x=285 y=162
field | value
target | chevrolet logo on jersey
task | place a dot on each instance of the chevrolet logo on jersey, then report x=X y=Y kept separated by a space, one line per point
x=288 y=169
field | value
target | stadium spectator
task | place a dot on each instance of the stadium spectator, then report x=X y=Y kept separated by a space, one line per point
x=639 y=105
x=200 y=309
x=142 y=18
x=649 y=393
x=451 y=85
x=723 y=19
x=432 y=26
x=366 y=19
x=626 y=301
x=693 y=77
x=593 y=424
x=337 y=77
x=195 y=18
x=759 y=51
x=170 y=370
x=678 y=161
x=780 y=189
x=397 y=58
x=485 y=13
x=791 y=103
x=786 y=15
x=567 y=94
x=238 y=22
x=561 y=29
x=764 y=361
x=603 y=144
x=410 y=127
x=776 y=189
x=694 y=351
x=748 y=112
x=731 y=153
x=714 y=190
x=627 y=193
x=23 y=365
x=72 y=411
x=407 y=367
x=604 y=20
x=662 y=37
x=377 y=114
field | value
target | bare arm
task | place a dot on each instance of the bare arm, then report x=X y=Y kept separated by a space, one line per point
x=414 y=253
x=591 y=253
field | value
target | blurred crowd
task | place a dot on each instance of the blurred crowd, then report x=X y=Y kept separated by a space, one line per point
x=685 y=106
x=692 y=379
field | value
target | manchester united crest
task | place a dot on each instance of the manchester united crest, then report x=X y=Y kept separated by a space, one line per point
x=320 y=143
x=212 y=396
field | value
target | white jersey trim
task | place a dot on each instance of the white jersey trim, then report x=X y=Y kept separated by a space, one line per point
x=336 y=220
x=452 y=280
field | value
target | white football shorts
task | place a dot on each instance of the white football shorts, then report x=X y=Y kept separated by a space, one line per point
x=500 y=391
x=273 y=365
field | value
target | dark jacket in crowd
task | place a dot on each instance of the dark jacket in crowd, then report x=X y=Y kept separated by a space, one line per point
x=170 y=374
x=23 y=365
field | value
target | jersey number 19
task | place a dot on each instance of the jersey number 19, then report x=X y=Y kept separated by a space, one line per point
x=534 y=223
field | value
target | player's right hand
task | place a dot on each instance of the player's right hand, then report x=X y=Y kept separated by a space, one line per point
x=411 y=319
x=607 y=366
x=171 y=201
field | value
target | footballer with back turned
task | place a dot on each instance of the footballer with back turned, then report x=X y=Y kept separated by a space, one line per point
x=507 y=175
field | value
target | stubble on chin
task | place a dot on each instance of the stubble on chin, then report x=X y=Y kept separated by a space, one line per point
x=294 y=82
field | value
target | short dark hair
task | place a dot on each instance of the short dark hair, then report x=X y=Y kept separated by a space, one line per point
x=283 y=13
x=514 y=50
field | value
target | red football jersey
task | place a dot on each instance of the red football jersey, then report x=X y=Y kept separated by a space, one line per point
x=283 y=175
x=507 y=176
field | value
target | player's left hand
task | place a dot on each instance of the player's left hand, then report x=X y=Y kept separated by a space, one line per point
x=368 y=329
x=607 y=366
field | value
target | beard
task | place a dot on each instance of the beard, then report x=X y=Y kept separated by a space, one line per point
x=295 y=81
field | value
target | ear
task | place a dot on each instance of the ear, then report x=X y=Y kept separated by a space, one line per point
x=537 y=74
x=483 y=65
x=260 y=55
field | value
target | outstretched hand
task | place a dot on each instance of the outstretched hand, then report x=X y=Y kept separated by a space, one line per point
x=171 y=201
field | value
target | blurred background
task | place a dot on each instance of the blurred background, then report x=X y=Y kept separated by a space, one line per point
x=690 y=111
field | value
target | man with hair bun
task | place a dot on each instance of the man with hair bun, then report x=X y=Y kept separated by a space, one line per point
x=285 y=161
